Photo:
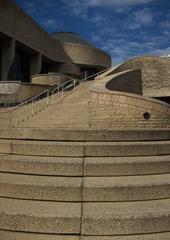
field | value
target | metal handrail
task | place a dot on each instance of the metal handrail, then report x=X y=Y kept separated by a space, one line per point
x=46 y=93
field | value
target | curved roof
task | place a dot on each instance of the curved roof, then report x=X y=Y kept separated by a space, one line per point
x=71 y=37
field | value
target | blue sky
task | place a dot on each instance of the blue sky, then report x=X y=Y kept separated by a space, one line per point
x=123 y=28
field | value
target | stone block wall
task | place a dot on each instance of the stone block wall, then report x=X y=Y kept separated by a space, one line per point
x=124 y=110
x=155 y=74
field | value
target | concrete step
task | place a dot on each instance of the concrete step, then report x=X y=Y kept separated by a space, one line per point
x=131 y=188
x=155 y=236
x=81 y=149
x=127 y=148
x=95 y=188
x=40 y=187
x=95 y=135
x=40 y=165
x=120 y=166
x=123 y=218
x=43 y=148
x=93 y=166
x=39 y=216
x=11 y=235
x=61 y=126
x=5 y=146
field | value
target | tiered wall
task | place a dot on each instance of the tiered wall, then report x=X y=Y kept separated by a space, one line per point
x=155 y=74
x=118 y=109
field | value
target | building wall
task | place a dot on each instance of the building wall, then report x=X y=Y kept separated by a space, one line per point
x=123 y=110
x=118 y=109
x=128 y=81
x=12 y=92
x=49 y=79
x=15 y=23
x=155 y=74
x=85 y=55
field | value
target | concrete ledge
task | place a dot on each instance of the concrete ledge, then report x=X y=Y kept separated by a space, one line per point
x=40 y=217
x=85 y=135
x=48 y=148
x=155 y=236
x=5 y=146
x=126 y=148
x=10 y=235
x=42 y=165
x=118 y=166
x=126 y=218
x=131 y=188
x=81 y=149
x=40 y=187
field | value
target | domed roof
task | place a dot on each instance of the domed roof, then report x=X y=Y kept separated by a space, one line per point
x=70 y=37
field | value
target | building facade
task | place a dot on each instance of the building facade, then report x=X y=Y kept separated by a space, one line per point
x=26 y=49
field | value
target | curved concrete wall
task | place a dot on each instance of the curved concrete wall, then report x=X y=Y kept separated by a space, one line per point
x=155 y=74
x=18 y=91
x=113 y=109
x=85 y=55
x=69 y=68
x=49 y=79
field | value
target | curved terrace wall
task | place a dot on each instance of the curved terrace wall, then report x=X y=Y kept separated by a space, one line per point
x=155 y=74
x=113 y=109
x=17 y=91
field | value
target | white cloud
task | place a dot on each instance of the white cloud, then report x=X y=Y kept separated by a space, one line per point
x=143 y=16
x=51 y=23
x=80 y=7
x=139 y=18
x=116 y=3
x=161 y=52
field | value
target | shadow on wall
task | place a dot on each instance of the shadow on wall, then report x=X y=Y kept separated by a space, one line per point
x=127 y=81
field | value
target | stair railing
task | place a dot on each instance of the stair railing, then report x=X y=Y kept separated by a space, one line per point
x=36 y=104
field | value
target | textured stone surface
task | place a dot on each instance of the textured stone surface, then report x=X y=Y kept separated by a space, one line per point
x=41 y=187
x=48 y=148
x=85 y=134
x=120 y=166
x=9 y=235
x=126 y=148
x=42 y=165
x=126 y=218
x=155 y=74
x=156 y=236
x=131 y=188
x=39 y=216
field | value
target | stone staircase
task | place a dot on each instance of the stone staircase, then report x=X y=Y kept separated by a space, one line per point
x=84 y=184
x=69 y=111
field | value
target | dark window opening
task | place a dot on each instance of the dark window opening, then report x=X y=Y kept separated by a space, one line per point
x=86 y=72
x=20 y=69
x=0 y=59
x=45 y=67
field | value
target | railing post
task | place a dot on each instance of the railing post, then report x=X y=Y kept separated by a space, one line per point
x=85 y=75
x=32 y=107
x=74 y=83
x=52 y=100
x=47 y=97
x=62 y=92
x=10 y=115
